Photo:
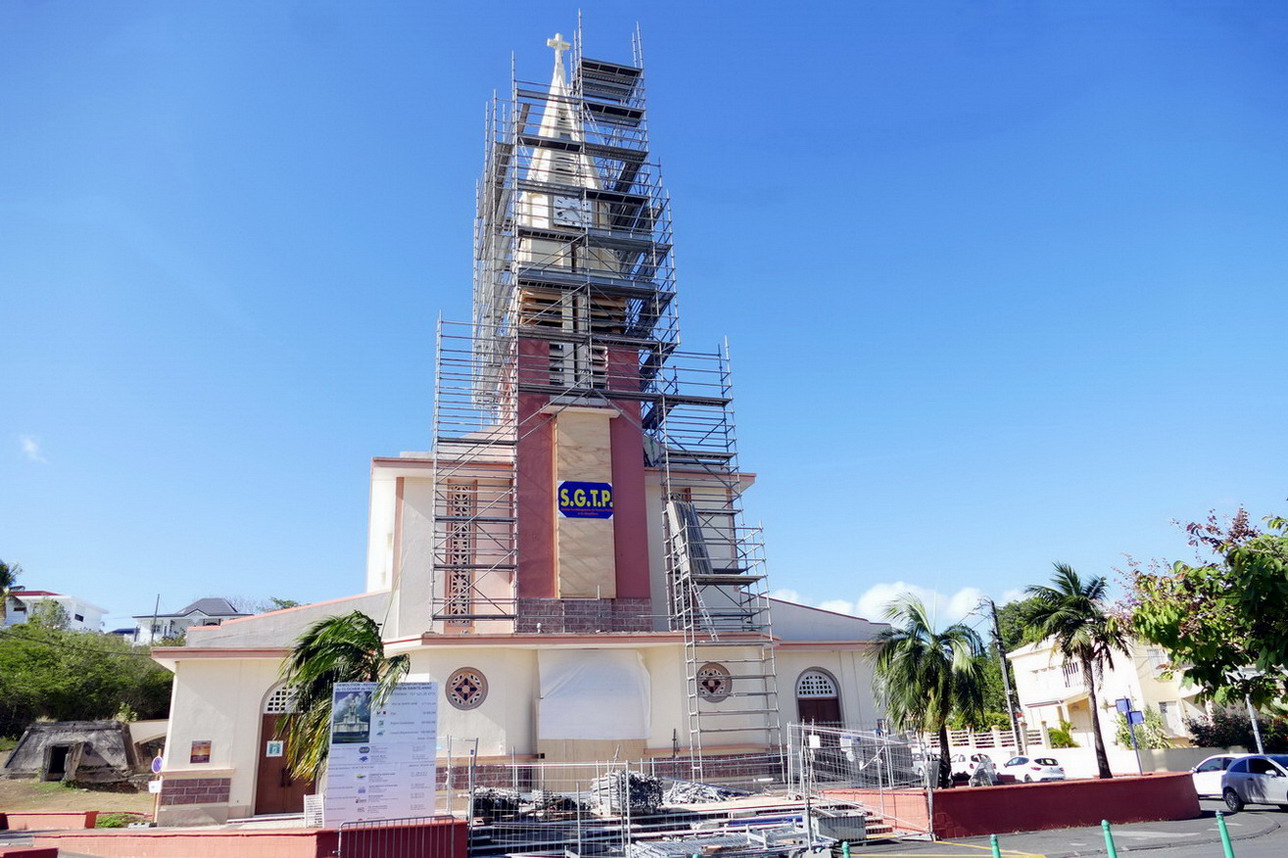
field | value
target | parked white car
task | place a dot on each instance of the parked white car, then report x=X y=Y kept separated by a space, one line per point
x=1256 y=779
x=1030 y=769
x=1207 y=774
x=978 y=768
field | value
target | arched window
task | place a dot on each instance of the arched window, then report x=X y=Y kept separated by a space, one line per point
x=817 y=698
x=280 y=701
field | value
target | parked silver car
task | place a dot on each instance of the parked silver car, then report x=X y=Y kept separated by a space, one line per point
x=1256 y=779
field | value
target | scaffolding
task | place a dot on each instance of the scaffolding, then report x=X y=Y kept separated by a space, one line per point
x=575 y=301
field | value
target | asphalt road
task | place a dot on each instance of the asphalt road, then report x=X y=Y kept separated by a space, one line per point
x=1254 y=832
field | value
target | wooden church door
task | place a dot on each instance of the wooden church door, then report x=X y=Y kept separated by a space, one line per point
x=275 y=790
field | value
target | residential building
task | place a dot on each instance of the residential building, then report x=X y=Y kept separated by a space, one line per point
x=1052 y=690
x=210 y=611
x=81 y=615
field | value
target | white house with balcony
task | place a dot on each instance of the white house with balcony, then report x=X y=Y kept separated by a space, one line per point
x=81 y=615
x=1052 y=690
x=211 y=611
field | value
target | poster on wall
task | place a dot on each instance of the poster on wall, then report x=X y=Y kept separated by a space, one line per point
x=200 y=751
x=382 y=760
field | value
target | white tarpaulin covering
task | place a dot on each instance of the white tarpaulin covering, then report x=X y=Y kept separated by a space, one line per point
x=593 y=694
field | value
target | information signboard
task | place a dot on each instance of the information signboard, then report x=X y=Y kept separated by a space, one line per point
x=381 y=762
x=585 y=500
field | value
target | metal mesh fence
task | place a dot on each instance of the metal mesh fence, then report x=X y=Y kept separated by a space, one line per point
x=830 y=785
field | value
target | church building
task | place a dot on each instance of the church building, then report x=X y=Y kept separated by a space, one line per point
x=569 y=559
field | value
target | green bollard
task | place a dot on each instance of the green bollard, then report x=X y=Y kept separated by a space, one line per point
x=1109 y=839
x=1226 y=845
x=997 y=850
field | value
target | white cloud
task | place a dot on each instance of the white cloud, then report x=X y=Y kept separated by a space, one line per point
x=31 y=448
x=1012 y=596
x=786 y=595
x=838 y=606
x=944 y=609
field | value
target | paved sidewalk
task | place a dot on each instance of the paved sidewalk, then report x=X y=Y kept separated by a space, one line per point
x=1073 y=842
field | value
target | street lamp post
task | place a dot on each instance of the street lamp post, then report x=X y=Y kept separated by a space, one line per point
x=1247 y=674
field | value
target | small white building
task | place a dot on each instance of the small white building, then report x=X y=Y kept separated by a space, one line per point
x=81 y=615
x=1052 y=690
x=211 y=611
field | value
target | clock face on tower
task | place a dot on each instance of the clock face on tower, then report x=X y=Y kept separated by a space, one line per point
x=571 y=211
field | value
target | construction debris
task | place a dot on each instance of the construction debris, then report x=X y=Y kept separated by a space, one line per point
x=689 y=792
x=620 y=790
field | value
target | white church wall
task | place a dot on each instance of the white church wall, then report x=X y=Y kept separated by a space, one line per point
x=503 y=722
x=665 y=667
x=845 y=663
x=380 y=530
x=221 y=701
x=415 y=578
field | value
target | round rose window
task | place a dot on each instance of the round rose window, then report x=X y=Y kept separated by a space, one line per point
x=713 y=682
x=466 y=688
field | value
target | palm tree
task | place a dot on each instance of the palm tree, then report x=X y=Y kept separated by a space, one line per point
x=1071 y=611
x=336 y=649
x=9 y=573
x=923 y=676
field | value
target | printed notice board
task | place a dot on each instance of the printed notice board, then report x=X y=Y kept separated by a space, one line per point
x=585 y=500
x=382 y=759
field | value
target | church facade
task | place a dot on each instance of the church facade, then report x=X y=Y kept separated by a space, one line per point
x=569 y=560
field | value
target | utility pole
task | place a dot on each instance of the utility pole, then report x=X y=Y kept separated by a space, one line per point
x=1006 y=677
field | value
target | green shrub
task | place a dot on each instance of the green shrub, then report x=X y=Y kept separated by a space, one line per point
x=119 y=820
x=1062 y=737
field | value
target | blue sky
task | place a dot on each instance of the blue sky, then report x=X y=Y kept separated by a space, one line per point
x=1002 y=281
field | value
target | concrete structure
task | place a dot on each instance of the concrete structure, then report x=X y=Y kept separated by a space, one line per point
x=210 y=611
x=81 y=615
x=1052 y=690
x=77 y=751
x=569 y=561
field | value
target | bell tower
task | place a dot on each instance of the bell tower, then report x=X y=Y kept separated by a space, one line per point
x=585 y=470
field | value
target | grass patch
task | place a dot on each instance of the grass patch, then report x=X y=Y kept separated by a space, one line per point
x=119 y=820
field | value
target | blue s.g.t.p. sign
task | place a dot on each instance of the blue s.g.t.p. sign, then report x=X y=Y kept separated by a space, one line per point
x=585 y=500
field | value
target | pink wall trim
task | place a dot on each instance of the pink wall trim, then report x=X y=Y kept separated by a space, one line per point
x=974 y=811
x=31 y=820
x=630 y=514
x=172 y=843
x=535 y=467
x=558 y=639
x=439 y=838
